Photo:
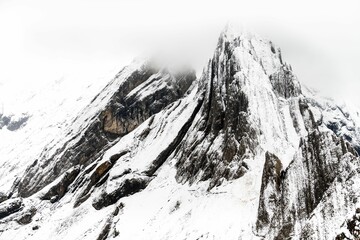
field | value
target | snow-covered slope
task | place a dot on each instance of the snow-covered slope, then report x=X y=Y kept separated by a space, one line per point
x=243 y=152
x=49 y=113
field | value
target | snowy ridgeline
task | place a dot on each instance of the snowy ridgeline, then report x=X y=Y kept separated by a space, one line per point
x=242 y=152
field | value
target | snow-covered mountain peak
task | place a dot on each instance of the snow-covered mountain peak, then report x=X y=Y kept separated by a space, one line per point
x=159 y=154
x=232 y=31
x=248 y=51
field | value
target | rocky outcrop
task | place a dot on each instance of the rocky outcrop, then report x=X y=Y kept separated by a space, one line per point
x=127 y=109
x=285 y=83
x=57 y=191
x=3 y=197
x=116 y=177
x=13 y=123
x=352 y=227
x=270 y=193
x=130 y=185
x=222 y=137
x=94 y=177
x=165 y=154
x=337 y=206
x=238 y=81
x=108 y=228
x=27 y=216
x=10 y=206
x=285 y=207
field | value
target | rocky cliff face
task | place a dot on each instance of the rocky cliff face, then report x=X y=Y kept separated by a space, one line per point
x=242 y=152
x=228 y=131
x=142 y=93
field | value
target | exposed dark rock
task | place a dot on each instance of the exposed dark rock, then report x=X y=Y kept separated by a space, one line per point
x=353 y=225
x=26 y=217
x=100 y=171
x=105 y=231
x=3 y=197
x=157 y=163
x=123 y=173
x=313 y=172
x=342 y=236
x=319 y=167
x=223 y=121
x=107 y=228
x=127 y=187
x=176 y=207
x=285 y=232
x=98 y=177
x=118 y=209
x=10 y=206
x=122 y=114
x=285 y=83
x=271 y=183
x=4 y=120
x=98 y=174
x=57 y=191
x=130 y=186
x=35 y=228
x=125 y=113
x=357 y=149
x=117 y=156
x=272 y=47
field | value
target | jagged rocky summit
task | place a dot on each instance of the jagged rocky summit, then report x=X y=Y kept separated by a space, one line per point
x=242 y=152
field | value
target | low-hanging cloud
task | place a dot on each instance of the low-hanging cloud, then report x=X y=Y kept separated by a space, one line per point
x=44 y=41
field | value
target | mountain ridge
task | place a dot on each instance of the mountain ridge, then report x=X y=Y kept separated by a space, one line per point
x=156 y=148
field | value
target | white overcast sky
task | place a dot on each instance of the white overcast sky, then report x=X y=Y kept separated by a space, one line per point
x=42 y=41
